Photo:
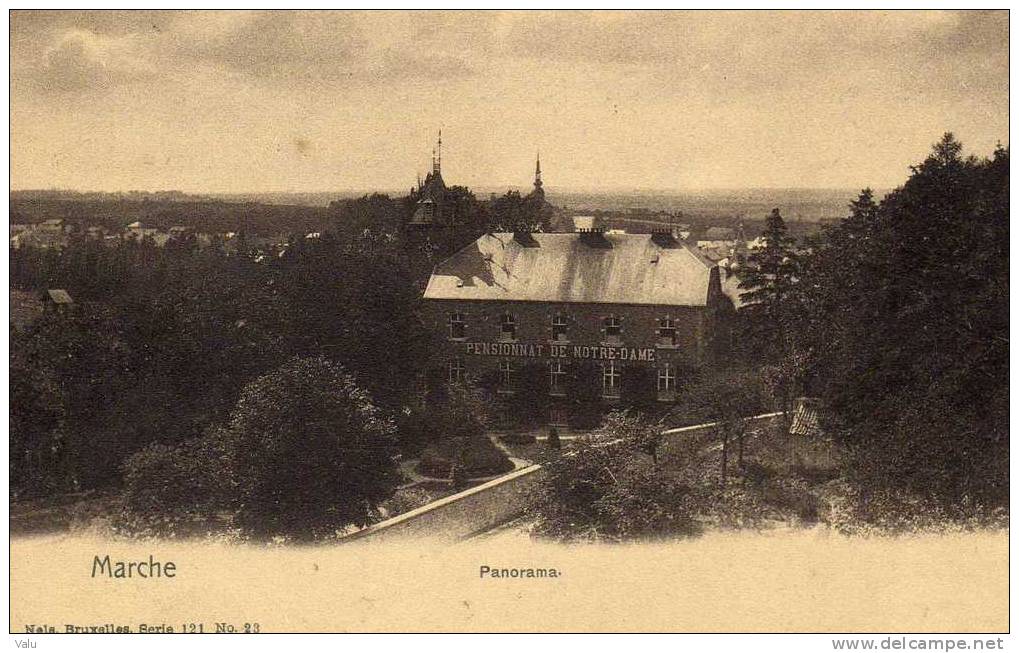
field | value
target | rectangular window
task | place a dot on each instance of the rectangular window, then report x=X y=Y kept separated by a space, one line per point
x=557 y=377
x=558 y=416
x=559 y=327
x=457 y=371
x=506 y=376
x=507 y=327
x=666 y=378
x=610 y=377
x=667 y=332
x=613 y=329
x=457 y=326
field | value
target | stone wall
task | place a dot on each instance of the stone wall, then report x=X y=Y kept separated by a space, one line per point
x=460 y=515
x=483 y=507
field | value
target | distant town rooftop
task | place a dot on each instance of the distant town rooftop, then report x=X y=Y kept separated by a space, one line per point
x=719 y=233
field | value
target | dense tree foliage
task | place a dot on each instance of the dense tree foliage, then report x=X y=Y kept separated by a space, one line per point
x=455 y=420
x=312 y=453
x=905 y=329
x=160 y=340
x=354 y=301
x=609 y=486
x=304 y=454
x=514 y=212
x=768 y=277
x=897 y=317
x=180 y=490
x=211 y=216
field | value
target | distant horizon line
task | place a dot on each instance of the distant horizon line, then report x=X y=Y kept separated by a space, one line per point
x=487 y=188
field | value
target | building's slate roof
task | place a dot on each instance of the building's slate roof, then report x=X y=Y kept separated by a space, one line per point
x=432 y=192
x=580 y=268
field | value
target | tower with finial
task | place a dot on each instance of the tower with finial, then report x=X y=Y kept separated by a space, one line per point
x=437 y=164
x=431 y=193
x=539 y=192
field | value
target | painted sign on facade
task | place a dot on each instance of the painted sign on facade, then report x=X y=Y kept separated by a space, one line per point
x=544 y=350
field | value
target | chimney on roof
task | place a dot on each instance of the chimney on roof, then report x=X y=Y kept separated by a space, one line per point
x=583 y=222
x=522 y=235
x=664 y=237
x=594 y=237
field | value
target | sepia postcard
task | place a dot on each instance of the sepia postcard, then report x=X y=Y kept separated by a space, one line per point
x=515 y=321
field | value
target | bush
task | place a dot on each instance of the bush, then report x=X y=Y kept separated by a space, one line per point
x=414 y=430
x=404 y=500
x=609 y=487
x=458 y=416
x=732 y=506
x=792 y=496
x=726 y=394
x=177 y=490
x=476 y=456
x=852 y=510
x=518 y=438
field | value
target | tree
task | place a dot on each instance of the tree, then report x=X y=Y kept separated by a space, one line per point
x=584 y=388
x=727 y=398
x=768 y=280
x=907 y=325
x=457 y=418
x=37 y=411
x=179 y=490
x=375 y=212
x=610 y=487
x=529 y=402
x=513 y=212
x=313 y=453
x=355 y=302
x=67 y=373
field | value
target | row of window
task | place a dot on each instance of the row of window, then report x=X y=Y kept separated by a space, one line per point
x=611 y=325
x=611 y=376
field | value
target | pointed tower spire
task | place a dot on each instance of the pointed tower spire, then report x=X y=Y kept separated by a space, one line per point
x=437 y=163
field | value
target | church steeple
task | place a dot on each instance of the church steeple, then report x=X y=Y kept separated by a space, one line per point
x=437 y=162
x=538 y=192
x=431 y=195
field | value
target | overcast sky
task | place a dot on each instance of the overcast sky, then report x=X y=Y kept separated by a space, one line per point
x=313 y=101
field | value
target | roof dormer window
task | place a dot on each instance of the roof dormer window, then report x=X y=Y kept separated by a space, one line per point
x=457 y=326
x=507 y=327
x=613 y=328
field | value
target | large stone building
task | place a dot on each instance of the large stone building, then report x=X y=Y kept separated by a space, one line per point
x=612 y=312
